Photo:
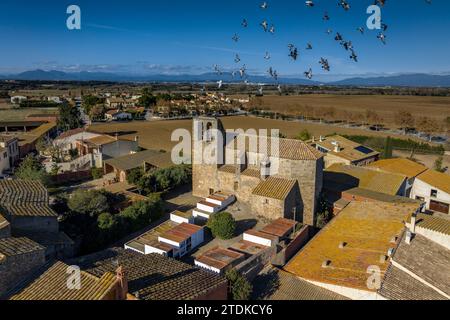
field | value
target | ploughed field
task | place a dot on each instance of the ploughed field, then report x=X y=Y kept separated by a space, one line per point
x=157 y=134
x=386 y=106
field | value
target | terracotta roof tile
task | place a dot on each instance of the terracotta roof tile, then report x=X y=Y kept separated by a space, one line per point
x=436 y=179
x=402 y=166
x=274 y=188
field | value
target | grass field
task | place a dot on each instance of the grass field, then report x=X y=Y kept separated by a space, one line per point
x=433 y=107
x=157 y=134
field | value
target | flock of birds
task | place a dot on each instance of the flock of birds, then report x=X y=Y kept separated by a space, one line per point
x=293 y=51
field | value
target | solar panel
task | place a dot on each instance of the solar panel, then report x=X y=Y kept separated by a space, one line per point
x=364 y=150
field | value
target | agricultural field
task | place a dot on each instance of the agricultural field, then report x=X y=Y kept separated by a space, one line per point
x=386 y=106
x=157 y=134
x=16 y=114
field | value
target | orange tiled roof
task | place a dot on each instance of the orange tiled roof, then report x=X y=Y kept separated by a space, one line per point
x=436 y=179
x=402 y=166
x=357 y=238
x=274 y=188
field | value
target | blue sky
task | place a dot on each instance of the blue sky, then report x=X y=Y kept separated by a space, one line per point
x=175 y=36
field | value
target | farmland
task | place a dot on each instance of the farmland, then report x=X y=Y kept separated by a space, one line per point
x=386 y=106
x=156 y=134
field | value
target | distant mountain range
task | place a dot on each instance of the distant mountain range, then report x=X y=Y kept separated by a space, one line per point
x=412 y=80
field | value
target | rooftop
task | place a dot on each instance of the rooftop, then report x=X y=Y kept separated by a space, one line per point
x=346 y=177
x=378 y=196
x=138 y=159
x=150 y=238
x=434 y=223
x=153 y=277
x=398 y=285
x=402 y=166
x=349 y=150
x=358 y=237
x=280 y=227
x=50 y=283
x=17 y=246
x=262 y=235
x=181 y=232
x=427 y=260
x=287 y=148
x=20 y=192
x=274 y=188
x=101 y=140
x=219 y=258
x=436 y=179
x=275 y=284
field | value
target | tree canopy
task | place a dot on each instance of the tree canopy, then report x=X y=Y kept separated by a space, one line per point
x=32 y=169
x=222 y=225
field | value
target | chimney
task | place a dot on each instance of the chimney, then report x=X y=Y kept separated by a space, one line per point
x=337 y=148
x=412 y=225
x=136 y=138
x=122 y=284
x=116 y=136
x=265 y=169
x=409 y=237
x=313 y=139
x=321 y=139
x=326 y=264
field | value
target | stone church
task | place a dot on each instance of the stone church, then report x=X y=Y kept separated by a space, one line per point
x=281 y=180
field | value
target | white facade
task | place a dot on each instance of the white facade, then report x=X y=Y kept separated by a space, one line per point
x=69 y=143
x=428 y=193
x=259 y=240
x=9 y=153
x=186 y=246
x=119 y=116
x=18 y=99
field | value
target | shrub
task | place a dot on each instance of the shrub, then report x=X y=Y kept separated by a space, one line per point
x=304 y=135
x=241 y=288
x=222 y=225
x=32 y=169
x=97 y=173
x=92 y=202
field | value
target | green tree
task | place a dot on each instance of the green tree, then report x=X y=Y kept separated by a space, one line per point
x=147 y=99
x=304 y=135
x=134 y=176
x=69 y=117
x=241 y=288
x=97 y=173
x=438 y=164
x=32 y=169
x=106 y=221
x=92 y=202
x=141 y=214
x=388 y=149
x=222 y=225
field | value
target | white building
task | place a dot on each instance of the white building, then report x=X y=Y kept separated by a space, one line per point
x=433 y=188
x=116 y=115
x=18 y=99
x=9 y=152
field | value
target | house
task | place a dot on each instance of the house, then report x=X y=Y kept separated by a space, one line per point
x=155 y=277
x=219 y=260
x=115 y=103
x=52 y=283
x=67 y=140
x=433 y=188
x=402 y=166
x=18 y=258
x=9 y=152
x=147 y=159
x=171 y=239
x=339 y=178
x=104 y=147
x=357 y=243
x=55 y=99
x=274 y=184
x=18 y=99
x=419 y=265
x=117 y=115
x=338 y=149
x=25 y=205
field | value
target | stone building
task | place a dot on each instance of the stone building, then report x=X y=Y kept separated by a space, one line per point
x=277 y=178
x=18 y=258
x=25 y=208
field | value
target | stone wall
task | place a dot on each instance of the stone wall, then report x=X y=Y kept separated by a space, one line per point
x=14 y=269
x=35 y=224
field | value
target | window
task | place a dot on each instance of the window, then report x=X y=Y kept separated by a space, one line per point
x=434 y=193
x=266 y=201
x=236 y=186
x=5 y=155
